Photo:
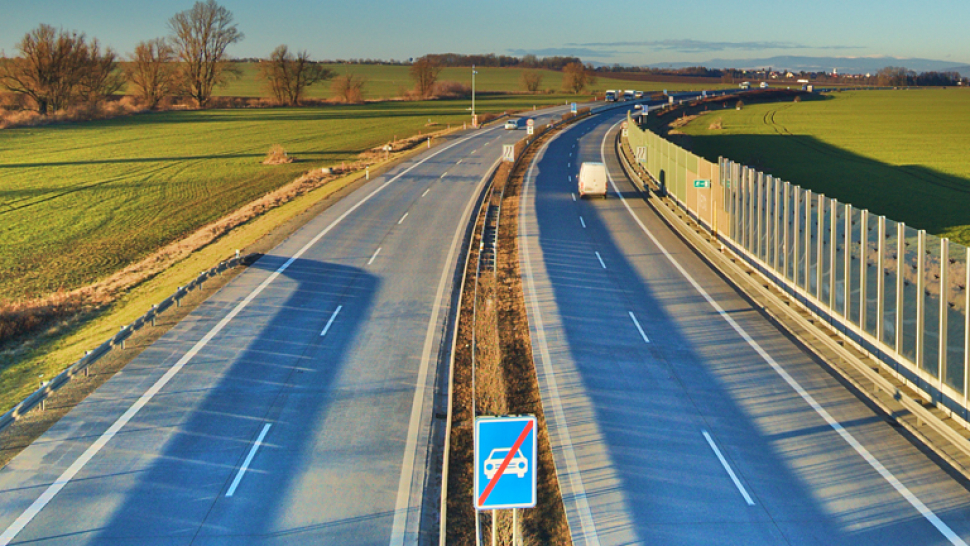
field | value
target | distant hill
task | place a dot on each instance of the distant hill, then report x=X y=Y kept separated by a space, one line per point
x=844 y=65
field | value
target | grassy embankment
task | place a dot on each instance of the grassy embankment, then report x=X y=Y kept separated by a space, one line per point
x=902 y=154
x=79 y=202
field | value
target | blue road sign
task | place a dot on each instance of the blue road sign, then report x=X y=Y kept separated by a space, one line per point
x=573 y=108
x=505 y=462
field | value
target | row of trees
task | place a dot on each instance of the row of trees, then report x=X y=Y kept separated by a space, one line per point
x=491 y=60
x=57 y=69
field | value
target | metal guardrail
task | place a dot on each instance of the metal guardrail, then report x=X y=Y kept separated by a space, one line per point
x=39 y=396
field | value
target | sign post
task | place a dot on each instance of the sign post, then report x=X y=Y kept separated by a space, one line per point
x=530 y=126
x=573 y=108
x=626 y=131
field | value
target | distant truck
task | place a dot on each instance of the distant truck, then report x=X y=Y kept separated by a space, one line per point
x=592 y=179
x=611 y=95
x=629 y=94
x=745 y=85
x=764 y=85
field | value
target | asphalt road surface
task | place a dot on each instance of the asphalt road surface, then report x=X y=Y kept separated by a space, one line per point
x=295 y=406
x=677 y=413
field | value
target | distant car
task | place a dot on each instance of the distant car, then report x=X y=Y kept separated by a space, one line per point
x=519 y=465
x=512 y=124
x=638 y=95
x=638 y=107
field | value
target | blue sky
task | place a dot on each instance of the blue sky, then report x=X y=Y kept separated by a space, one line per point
x=623 y=31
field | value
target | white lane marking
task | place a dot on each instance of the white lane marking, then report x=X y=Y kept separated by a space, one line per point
x=586 y=523
x=329 y=322
x=459 y=163
x=639 y=328
x=249 y=459
x=581 y=221
x=402 y=218
x=569 y=165
x=426 y=193
x=727 y=467
x=600 y=258
x=444 y=174
x=574 y=198
x=913 y=500
x=53 y=489
x=473 y=151
x=401 y=509
x=372 y=258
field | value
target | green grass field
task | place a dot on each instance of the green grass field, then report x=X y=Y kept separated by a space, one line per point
x=387 y=81
x=902 y=154
x=80 y=201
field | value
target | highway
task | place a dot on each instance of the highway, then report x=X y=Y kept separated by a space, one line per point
x=678 y=414
x=295 y=406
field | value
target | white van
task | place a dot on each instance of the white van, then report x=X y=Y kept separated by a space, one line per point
x=592 y=179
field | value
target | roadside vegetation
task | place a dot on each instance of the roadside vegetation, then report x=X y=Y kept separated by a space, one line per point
x=898 y=153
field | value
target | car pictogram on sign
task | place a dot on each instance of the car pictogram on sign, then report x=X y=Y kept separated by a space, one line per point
x=519 y=465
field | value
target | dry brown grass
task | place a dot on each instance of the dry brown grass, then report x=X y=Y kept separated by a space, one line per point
x=505 y=383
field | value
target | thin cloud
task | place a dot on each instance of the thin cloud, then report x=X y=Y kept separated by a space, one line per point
x=581 y=52
x=702 y=46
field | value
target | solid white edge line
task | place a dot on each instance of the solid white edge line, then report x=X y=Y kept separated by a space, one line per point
x=399 y=525
x=581 y=221
x=402 y=218
x=374 y=257
x=913 y=500
x=249 y=459
x=329 y=322
x=587 y=525
x=727 y=467
x=639 y=328
x=600 y=258
x=53 y=489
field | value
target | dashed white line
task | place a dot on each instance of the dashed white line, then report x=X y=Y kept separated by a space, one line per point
x=473 y=151
x=402 y=218
x=444 y=174
x=249 y=459
x=372 y=258
x=574 y=196
x=600 y=258
x=639 y=328
x=900 y=488
x=65 y=477
x=727 y=467
x=329 y=322
x=459 y=162
x=425 y=192
x=581 y=221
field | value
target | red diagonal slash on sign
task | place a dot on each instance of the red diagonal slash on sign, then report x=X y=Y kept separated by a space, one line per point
x=505 y=463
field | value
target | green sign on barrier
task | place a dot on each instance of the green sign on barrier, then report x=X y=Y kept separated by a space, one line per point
x=701 y=184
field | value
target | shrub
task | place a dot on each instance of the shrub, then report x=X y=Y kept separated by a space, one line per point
x=277 y=156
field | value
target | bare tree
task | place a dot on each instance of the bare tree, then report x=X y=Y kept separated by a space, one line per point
x=287 y=75
x=152 y=70
x=425 y=72
x=531 y=80
x=57 y=69
x=101 y=76
x=574 y=77
x=349 y=87
x=200 y=36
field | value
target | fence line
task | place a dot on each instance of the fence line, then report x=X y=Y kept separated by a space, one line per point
x=900 y=293
x=47 y=388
